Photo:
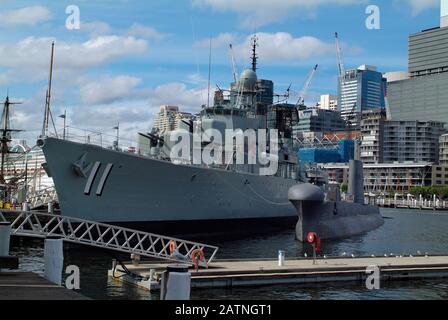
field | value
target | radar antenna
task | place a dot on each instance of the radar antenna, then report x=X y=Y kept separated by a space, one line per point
x=254 y=52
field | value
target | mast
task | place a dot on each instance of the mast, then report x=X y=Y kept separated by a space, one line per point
x=209 y=73
x=254 y=53
x=48 y=96
x=5 y=137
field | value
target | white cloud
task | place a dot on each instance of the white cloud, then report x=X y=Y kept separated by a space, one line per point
x=28 y=16
x=33 y=53
x=282 y=46
x=105 y=117
x=109 y=90
x=418 y=6
x=189 y=100
x=255 y=13
x=134 y=108
x=138 y=30
x=96 y=28
x=223 y=39
x=5 y=78
x=133 y=117
x=119 y=99
x=277 y=47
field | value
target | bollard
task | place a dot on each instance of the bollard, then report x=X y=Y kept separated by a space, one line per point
x=176 y=283
x=135 y=259
x=152 y=273
x=281 y=258
x=50 y=208
x=54 y=259
x=26 y=206
x=5 y=236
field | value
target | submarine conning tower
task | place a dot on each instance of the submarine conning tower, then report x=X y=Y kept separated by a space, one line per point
x=356 y=181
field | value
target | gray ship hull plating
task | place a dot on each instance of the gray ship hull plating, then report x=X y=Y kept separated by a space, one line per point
x=120 y=187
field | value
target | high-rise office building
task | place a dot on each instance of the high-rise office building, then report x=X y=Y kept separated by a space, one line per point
x=424 y=95
x=372 y=140
x=328 y=102
x=169 y=118
x=320 y=120
x=389 y=141
x=443 y=150
x=360 y=90
x=443 y=13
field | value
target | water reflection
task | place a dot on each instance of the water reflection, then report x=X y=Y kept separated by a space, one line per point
x=404 y=232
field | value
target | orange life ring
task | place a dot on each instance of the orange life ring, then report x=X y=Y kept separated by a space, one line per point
x=196 y=256
x=173 y=247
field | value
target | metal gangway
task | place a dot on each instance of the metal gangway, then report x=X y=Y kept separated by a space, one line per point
x=105 y=236
x=42 y=197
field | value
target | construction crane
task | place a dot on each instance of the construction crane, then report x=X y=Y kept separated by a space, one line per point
x=306 y=86
x=232 y=55
x=285 y=96
x=341 y=67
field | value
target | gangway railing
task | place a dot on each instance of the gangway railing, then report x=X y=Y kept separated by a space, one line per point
x=42 y=197
x=110 y=237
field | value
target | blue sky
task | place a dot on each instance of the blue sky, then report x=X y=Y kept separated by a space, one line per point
x=130 y=56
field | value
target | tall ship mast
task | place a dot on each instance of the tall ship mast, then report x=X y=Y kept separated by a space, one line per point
x=5 y=139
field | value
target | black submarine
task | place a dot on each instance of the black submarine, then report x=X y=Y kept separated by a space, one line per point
x=325 y=214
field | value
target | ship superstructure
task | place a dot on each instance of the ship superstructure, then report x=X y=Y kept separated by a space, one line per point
x=150 y=186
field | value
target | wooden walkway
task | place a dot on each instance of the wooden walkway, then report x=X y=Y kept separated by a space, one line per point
x=30 y=286
x=227 y=274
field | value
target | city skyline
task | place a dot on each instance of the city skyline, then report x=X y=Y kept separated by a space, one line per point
x=128 y=57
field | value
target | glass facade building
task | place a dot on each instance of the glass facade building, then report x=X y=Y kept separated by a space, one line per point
x=360 y=90
x=424 y=95
x=320 y=120
x=424 y=98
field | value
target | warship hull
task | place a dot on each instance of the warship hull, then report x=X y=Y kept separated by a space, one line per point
x=116 y=187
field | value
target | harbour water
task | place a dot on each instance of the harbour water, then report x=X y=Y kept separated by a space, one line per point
x=404 y=232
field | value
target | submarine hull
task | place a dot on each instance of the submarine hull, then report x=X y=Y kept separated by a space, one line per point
x=331 y=219
x=336 y=220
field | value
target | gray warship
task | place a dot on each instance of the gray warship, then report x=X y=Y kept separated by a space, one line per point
x=148 y=188
x=111 y=186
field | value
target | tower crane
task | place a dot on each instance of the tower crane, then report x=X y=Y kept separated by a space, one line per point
x=306 y=86
x=341 y=67
x=232 y=55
